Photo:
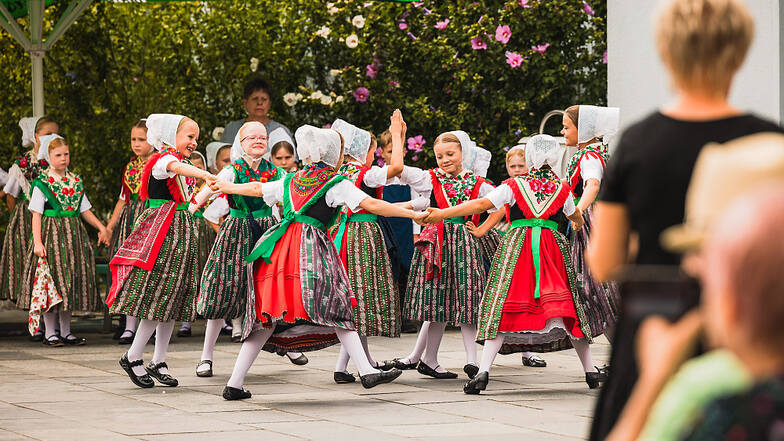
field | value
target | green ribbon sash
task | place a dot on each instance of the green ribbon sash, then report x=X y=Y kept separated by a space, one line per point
x=61 y=213
x=358 y=217
x=536 y=226
x=267 y=245
x=155 y=203
x=258 y=214
x=456 y=220
x=198 y=214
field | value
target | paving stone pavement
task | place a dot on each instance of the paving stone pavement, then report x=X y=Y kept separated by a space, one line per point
x=81 y=393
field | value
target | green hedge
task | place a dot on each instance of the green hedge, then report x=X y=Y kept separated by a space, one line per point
x=120 y=62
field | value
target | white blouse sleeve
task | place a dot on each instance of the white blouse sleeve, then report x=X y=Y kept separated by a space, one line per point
x=569 y=206
x=417 y=179
x=485 y=189
x=37 y=201
x=345 y=193
x=591 y=168
x=3 y=177
x=12 y=188
x=376 y=177
x=85 y=205
x=273 y=192
x=500 y=196
x=216 y=210
x=159 y=170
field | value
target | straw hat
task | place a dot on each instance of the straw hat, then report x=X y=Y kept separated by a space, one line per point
x=724 y=172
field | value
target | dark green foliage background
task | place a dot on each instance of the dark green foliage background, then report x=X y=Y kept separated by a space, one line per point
x=120 y=62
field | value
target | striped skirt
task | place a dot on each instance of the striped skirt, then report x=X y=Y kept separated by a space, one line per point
x=206 y=236
x=224 y=286
x=18 y=236
x=370 y=277
x=453 y=297
x=600 y=301
x=130 y=213
x=489 y=245
x=168 y=291
x=554 y=336
x=71 y=260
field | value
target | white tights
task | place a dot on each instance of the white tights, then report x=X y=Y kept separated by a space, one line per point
x=492 y=347
x=253 y=344
x=211 y=333
x=431 y=335
x=163 y=332
x=342 y=362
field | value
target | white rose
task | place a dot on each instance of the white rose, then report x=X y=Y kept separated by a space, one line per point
x=339 y=99
x=323 y=32
x=358 y=21
x=352 y=41
x=254 y=64
x=217 y=132
x=316 y=95
x=332 y=9
x=290 y=99
x=334 y=72
x=326 y=100
x=300 y=97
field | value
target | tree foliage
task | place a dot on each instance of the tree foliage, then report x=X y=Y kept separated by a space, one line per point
x=120 y=62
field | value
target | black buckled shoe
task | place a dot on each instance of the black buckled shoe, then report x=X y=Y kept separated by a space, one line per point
x=232 y=393
x=384 y=365
x=299 y=361
x=424 y=369
x=471 y=370
x=127 y=340
x=53 y=342
x=143 y=381
x=203 y=373
x=38 y=336
x=373 y=380
x=344 y=378
x=595 y=378
x=184 y=332
x=165 y=379
x=534 y=361
x=477 y=384
x=74 y=341
x=398 y=364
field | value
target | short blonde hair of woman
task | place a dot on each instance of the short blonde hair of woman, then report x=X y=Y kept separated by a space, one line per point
x=703 y=42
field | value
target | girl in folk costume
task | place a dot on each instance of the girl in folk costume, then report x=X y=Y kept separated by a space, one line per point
x=447 y=272
x=205 y=232
x=60 y=240
x=224 y=292
x=361 y=245
x=129 y=206
x=302 y=296
x=282 y=150
x=18 y=232
x=530 y=302
x=154 y=274
x=590 y=128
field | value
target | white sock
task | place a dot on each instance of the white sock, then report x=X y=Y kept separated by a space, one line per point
x=584 y=353
x=528 y=354
x=65 y=323
x=419 y=346
x=489 y=352
x=163 y=333
x=130 y=325
x=341 y=364
x=293 y=355
x=49 y=320
x=434 y=334
x=236 y=326
x=211 y=333
x=225 y=325
x=143 y=334
x=57 y=324
x=364 y=341
x=248 y=353
x=186 y=325
x=469 y=342
x=350 y=340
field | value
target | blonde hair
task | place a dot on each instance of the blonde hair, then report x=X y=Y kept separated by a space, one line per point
x=515 y=152
x=384 y=139
x=703 y=42
x=56 y=143
x=446 y=138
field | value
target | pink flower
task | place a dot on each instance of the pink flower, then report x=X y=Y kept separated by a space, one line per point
x=550 y=186
x=524 y=4
x=536 y=185
x=416 y=143
x=513 y=59
x=604 y=57
x=541 y=48
x=403 y=26
x=587 y=8
x=372 y=70
x=415 y=158
x=442 y=24
x=451 y=192
x=361 y=94
x=477 y=44
x=328 y=125
x=502 y=34
x=393 y=83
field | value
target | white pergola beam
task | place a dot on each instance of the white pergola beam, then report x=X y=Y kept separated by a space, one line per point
x=12 y=27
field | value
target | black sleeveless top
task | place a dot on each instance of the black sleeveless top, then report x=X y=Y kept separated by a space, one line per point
x=563 y=223
x=158 y=189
